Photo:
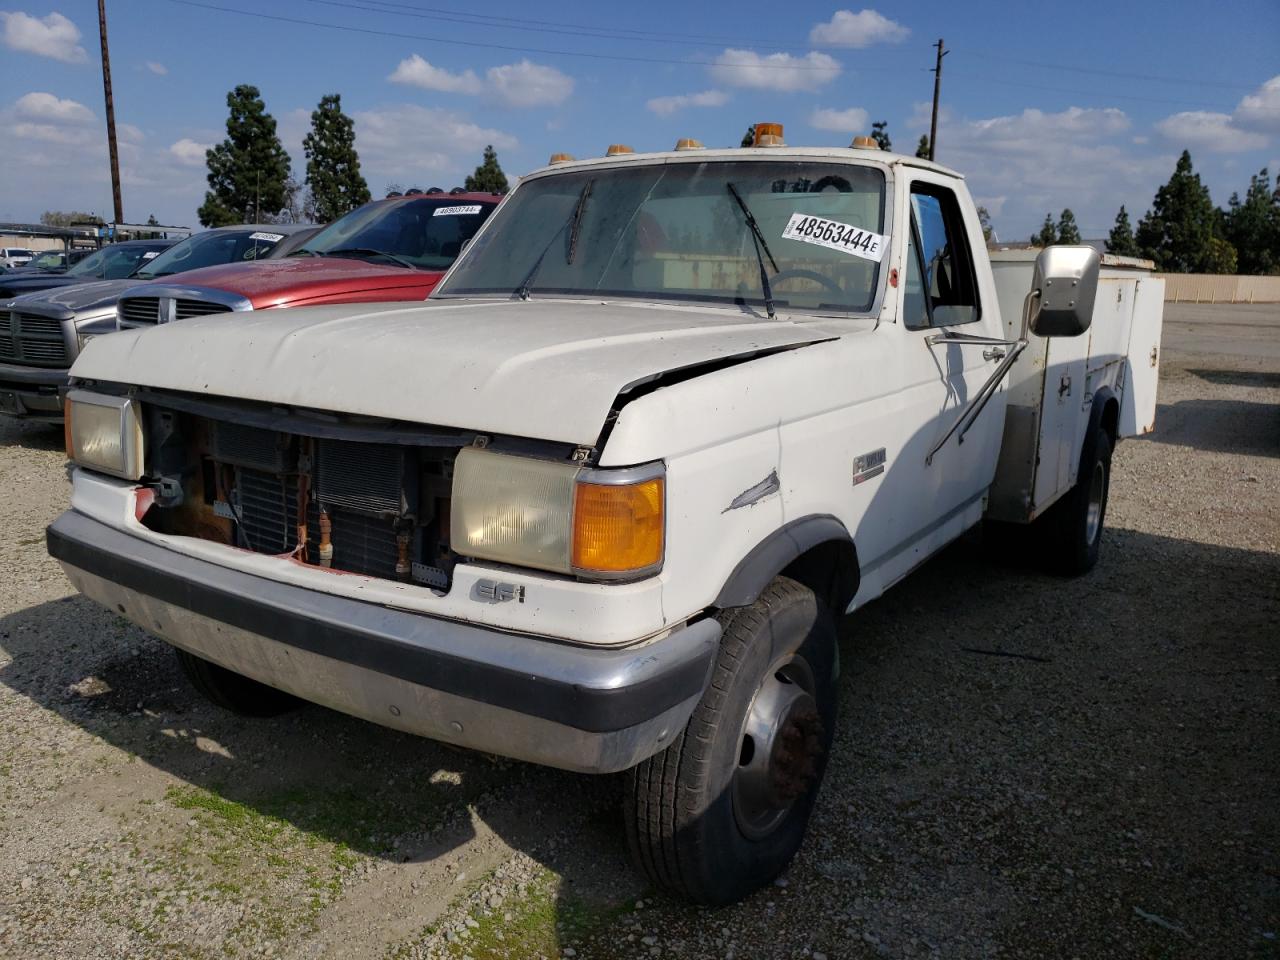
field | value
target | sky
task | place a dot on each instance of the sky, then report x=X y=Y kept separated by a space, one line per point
x=1043 y=106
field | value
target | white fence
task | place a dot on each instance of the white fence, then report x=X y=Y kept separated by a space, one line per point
x=1219 y=288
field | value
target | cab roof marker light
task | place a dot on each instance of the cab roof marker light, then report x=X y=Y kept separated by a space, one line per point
x=864 y=143
x=561 y=158
x=618 y=150
x=768 y=135
x=688 y=143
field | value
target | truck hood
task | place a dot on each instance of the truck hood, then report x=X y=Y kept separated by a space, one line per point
x=92 y=297
x=32 y=282
x=275 y=283
x=541 y=368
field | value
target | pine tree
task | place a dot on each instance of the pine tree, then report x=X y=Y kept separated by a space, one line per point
x=333 y=167
x=1068 y=232
x=488 y=177
x=749 y=137
x=1121 y=241
x=1178 y=229
x=1253 y=227
x=248 y=170
x=1048 y=234
x=152 y=221
x=880 y=134
x=922 y=148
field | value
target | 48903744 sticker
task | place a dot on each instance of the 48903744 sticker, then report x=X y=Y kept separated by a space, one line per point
x=835 y=235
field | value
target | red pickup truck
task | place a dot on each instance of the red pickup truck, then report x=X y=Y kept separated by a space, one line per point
x=392 y=249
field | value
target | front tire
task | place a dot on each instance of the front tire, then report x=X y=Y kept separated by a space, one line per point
x=722 y=811
x=233 y=691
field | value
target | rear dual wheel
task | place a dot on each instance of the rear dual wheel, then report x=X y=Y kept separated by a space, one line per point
x=723 y=810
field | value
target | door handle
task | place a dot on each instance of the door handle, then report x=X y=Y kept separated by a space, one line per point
x=995 y=353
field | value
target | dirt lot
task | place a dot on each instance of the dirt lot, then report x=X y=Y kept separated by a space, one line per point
x=1103 y=782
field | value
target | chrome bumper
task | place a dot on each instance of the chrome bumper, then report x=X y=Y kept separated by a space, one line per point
x=583 y=709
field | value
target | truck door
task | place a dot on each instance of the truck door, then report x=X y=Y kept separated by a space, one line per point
x=941 y=290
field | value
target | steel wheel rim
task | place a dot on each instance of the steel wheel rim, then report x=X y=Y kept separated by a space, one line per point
x=1093 y=513
x=778 y=748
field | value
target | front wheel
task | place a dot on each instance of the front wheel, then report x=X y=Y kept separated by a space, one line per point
x=723 y=810
x=232 y=691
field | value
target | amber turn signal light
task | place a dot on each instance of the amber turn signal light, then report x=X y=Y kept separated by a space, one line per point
x=618 y=528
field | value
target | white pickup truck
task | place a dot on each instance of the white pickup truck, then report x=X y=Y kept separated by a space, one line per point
x=600 y=502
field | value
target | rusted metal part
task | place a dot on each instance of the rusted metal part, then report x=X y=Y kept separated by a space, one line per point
x=325 y=550
x=794 y=767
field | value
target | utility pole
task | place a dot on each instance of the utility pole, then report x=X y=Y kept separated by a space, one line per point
x=937 y=90
x=111 y=113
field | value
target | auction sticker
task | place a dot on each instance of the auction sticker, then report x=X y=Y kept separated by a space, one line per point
x=269 y=237
x=844 y=237
x=456 y=211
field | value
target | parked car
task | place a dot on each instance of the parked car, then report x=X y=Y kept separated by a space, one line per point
x=600 y=502
x=42 y=333
x=392 y=249
x=15 y=256
x=52 y=261
x=112 y=262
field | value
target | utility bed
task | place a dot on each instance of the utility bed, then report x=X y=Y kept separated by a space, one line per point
x=1053 y=384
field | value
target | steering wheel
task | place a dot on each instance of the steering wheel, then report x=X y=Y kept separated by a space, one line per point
x=808 y=275
x=833 y=180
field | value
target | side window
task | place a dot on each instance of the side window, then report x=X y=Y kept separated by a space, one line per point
x=941 y=286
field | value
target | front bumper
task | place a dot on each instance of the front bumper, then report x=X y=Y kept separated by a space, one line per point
x=585 y=709
x=31 y=391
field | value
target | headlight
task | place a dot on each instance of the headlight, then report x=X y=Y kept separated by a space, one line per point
x=606 y=524
x=104 y=433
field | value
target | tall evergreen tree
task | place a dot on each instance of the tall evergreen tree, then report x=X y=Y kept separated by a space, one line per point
x=1120 y=241
x=248 y=170
x=1048 y=234
x=488 y=177
x=749 y=137
x=984 y=221
x=1253 y=227
x=1177 y=230
x=333 y=168
x=922 y=148
x=880 y=134
x=1068 y=232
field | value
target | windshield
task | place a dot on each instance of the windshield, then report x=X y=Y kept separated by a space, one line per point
x=211 y=249
x=676 y=232
x=425 y=234
x=111 y=263
x=48 y=261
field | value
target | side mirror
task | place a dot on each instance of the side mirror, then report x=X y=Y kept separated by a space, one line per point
x=1067 y=280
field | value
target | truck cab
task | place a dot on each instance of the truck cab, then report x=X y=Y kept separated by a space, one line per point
x=600 y=502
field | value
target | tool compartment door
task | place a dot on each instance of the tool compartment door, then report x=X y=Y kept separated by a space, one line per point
x=1142 y=363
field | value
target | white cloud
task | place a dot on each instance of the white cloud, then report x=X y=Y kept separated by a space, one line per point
x=55 y=36
x=417 y=72
x=1211 y=132
x=528 y=84
x=862 y=29
x=523 y=84
x=159 y=69
x=407 y=143
x=664 y=106
x=850 y=121
x=189 y=153
x=774 y=71
x=1261 y=110
x=1033 y=162
x=46 y=108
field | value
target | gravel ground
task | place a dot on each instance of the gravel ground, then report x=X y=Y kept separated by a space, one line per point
x=1102 y=781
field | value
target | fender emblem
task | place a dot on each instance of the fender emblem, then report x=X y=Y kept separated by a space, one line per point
x=868 y=465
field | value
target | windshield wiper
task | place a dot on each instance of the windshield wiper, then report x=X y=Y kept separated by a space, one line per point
x=758 y=241
x=370 y=252
x=302 y=252
x=522 y=291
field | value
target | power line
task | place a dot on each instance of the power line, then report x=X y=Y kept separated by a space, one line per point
x=400 y=35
